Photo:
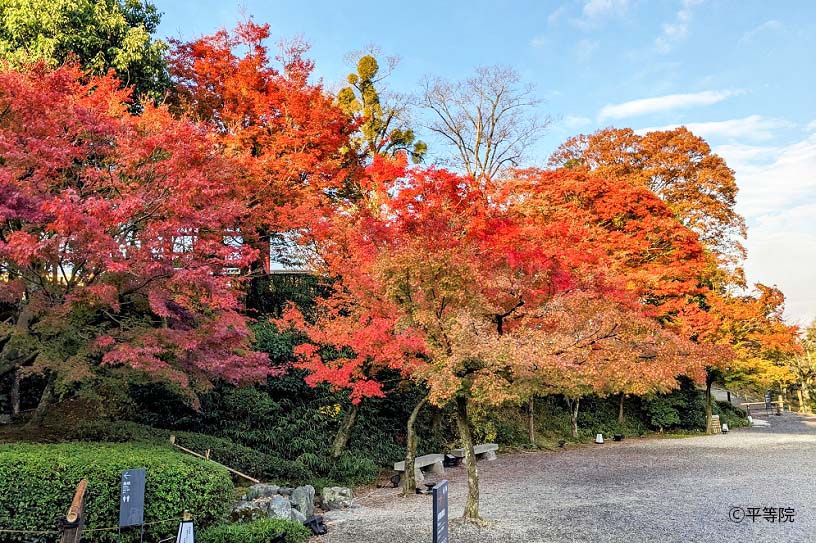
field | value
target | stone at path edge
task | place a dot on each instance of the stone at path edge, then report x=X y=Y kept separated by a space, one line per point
x=303 y=499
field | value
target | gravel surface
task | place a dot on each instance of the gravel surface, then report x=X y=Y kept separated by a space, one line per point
x=638 y=490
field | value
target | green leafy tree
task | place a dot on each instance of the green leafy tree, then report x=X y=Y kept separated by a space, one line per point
x=384 y=128
x=99 y=34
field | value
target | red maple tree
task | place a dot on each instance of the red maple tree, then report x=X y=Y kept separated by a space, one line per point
x=117 y=236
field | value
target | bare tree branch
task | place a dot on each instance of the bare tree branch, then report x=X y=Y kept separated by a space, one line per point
x=489 y=119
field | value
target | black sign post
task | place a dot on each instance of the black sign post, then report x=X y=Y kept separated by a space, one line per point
x=131 y=501
x=440 y=512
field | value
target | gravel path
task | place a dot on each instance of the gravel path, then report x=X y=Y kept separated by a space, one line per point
x=638 y=490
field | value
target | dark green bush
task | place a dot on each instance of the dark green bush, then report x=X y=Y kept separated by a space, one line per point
x=256 y=531
x=37 y=483
x=734 y=416
x=662 y=411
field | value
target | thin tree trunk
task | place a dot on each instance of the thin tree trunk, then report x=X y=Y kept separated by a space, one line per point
x=463 y=424
x=531 y=420
x=45 y=400
x=806 y=405
x=620 y=410
x=409 y=481
x=709 y=428
x=342 y=437
x=15 y=394
x=574 y=416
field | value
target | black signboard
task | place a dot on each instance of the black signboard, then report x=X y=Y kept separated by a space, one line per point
x=440 y=512
x=131 y=502
x=767 y=400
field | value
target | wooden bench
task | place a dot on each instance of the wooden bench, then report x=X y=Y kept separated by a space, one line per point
x=429 y=462
x=485 y=451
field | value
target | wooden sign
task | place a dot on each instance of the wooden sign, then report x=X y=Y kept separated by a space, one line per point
x=440 y=512
x=131 y=501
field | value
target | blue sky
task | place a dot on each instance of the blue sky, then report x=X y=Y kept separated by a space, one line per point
x=739 y=73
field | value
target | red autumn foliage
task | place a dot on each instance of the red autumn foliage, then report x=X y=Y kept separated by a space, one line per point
x=286 y=134
x=114 y=227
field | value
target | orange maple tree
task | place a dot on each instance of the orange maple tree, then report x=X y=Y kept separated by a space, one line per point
x=459 y=284
x=286 y=133
x=681 y=169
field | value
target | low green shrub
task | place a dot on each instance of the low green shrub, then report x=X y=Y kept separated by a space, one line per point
x=662 y=411
x=256 y=531
x=730 y=414
x=37 y=483
x=222 y=450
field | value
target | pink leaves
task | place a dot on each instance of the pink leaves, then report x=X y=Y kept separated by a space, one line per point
x=96 y=201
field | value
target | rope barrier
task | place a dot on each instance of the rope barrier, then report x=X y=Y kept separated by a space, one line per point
x=86 y=530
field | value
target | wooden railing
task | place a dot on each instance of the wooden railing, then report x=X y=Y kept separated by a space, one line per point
x=206 y=456
x=778 y=406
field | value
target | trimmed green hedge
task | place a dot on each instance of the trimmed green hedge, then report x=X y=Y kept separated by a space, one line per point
x=37 y=482
x=257 y=531
x=227 y=452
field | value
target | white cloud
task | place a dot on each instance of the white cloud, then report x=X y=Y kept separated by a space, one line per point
x=778 y=199
x=784 y=259
x=593 y=13
x=767 y=26
x=677 y=30
x=811 y=127
x=594 y=9
x=573 y=122
x=752 y=128
x=643 y=106
x=538 y=41
x=556 y=15
x=773 y=178
x=584 y=49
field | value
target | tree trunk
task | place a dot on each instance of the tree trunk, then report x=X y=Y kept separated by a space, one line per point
x=620 y=410
x=574 y=416
x=463 y=424
x=573 y=403
x=15 y=394
x=531 y=421
x=805 y=402
x=709 y=428
x=342 y=437
x=409 y=480
x=45 y=400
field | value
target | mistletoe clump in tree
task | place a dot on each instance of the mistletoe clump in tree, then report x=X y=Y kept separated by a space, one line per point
x=383 y=122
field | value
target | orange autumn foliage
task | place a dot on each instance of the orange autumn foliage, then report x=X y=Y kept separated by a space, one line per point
x=680 y=168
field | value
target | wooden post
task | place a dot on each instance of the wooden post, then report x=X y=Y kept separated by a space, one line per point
x=207 y=455
x=74 y=519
